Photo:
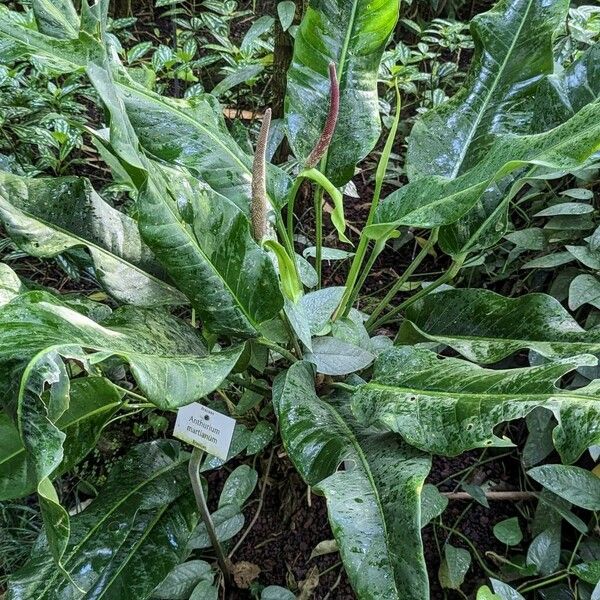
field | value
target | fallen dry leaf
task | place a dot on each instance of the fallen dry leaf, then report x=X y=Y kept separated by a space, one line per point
x=324 y=547
x=244 y=573
x=309 y=585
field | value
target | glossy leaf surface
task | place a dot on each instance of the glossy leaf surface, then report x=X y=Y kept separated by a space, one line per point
x=372 y=483
x=93 y=400
x=485 y=327
x=352 y=34
x=447 y=405
x=202 y=239
x=165 y=356
x=10 y=284
x=204 y=242
x=195 y=136
x=562 y=95
x=73 y=52
x=127 y=540
x=558 y=98
x=173 y=130
x=577 y=485
x=56 y=18
x=434 y=201
x=333 y=356
x=513 y=50
x=50 y=215
x=181 y=581
x=228 y=521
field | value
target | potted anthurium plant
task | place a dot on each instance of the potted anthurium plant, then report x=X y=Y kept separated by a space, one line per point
x=213 y=236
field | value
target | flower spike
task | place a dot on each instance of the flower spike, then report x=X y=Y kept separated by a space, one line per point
x=260 y=205
x=327 y=134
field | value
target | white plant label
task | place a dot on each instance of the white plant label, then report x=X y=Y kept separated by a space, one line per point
x=204 y=428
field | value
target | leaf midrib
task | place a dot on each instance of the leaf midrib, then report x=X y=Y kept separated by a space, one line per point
x=60 y=17
x=188 y=118
x=477 y=122
x=521 y=342
x=558 y=393
x=85 y=242
x=159 y=515
x=503 y=170
x=196 y=245
x=66 y=426
x=341 y=64
x=366 y=468
x=119 y=352
x=107 y=515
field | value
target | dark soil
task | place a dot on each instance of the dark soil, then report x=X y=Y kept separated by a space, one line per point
x=293 y=521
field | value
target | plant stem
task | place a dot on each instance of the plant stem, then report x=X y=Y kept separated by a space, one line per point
x=363 y=244
x=467 y=541
x=249 y=385
x=319 y=233
x=194 y=472
x=130 y=393
x=291 y=332
x=352 y=276
x=403 y=278
x=468 y=469
x=543 y=583
x=273 y=346
x=290 y=207
x=445 y=278
x=514 y=496
x=574 y=553
x=375 y=252
x=287 y=242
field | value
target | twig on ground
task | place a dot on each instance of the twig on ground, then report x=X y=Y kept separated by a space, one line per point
x=505 y=496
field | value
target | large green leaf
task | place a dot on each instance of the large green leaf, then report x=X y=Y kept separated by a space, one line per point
x=50 y=215
x=485 y=327
x=434 y=201
x=10 y=284
x=353 y=35
x=74 y=53
x=204 y=242
x=37 y=331
x=93 y=400
x=574 y=484
x=177 y=131
x=513 y=50
x=202 y=238
x=56 y=18
x=372 y=483
x=561 y=96
x=447 y=405
x=558 y=98
x=195 y=136
x=127 y=540
x=166 y=356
